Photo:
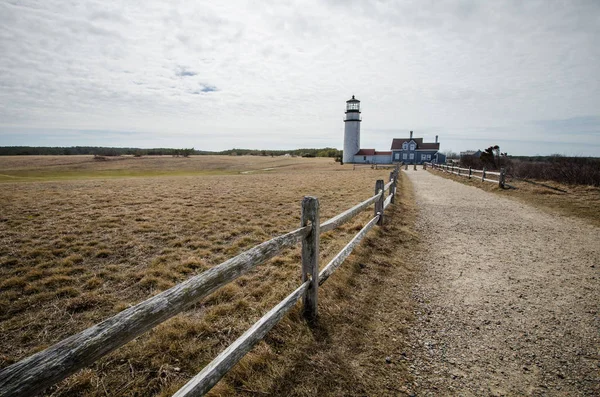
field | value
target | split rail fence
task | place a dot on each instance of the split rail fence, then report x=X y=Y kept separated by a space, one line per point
x=471 y=173
x=35 y=373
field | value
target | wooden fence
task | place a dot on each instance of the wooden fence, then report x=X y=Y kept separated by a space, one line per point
x=471 y=173
x=35 y=373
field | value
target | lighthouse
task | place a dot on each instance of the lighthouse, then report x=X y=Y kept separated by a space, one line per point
x=351 y=129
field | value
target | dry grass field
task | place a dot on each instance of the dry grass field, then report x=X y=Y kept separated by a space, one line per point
x=42 y=168
x=579 y=201
x=82 y=239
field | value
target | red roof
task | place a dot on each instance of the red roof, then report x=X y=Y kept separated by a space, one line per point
x=366 y=152
x=433 y=146
x=397 y=144
x=372 y=152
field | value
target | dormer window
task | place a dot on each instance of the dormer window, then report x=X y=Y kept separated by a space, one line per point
x=404 y=146
x=412 y=146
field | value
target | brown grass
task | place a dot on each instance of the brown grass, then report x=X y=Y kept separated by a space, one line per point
x=44 y=168
x=579 y=201
x=365 y=311
x=76 y=249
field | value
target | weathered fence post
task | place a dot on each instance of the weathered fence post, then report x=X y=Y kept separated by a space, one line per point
x=470 y=172
x=458 y=171
x=501 y=178
x=424 y=166
x=310 y=256
x=391 y=191
x=379 y=203
x=394 y=188
x=483 y=175
x=406 y=166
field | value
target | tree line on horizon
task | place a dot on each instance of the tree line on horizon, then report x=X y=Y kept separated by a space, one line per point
x=185 y=152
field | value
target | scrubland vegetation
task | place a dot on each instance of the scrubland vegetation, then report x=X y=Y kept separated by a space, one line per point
x=81 y=240
x=566 y=170
x=561 y=169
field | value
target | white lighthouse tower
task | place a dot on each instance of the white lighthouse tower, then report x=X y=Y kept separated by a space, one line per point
x=351 y=129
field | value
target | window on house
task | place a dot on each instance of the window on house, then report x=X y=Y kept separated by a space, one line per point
x=365 y=158
x=404 y=146
x=397 y=156
x=412 y=146
x=412 y=156
x=403 y=156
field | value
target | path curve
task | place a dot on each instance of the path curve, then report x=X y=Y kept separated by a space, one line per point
x=508 y=298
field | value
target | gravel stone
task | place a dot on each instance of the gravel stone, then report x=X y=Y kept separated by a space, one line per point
x=507 y=299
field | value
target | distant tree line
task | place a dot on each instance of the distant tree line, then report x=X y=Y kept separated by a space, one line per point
x=111 y=151
x=325 y=152
x=91 y=150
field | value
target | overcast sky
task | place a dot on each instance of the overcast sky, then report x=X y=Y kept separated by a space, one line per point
x=276 y=74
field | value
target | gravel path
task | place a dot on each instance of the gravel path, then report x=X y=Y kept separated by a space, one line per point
x=507 y=299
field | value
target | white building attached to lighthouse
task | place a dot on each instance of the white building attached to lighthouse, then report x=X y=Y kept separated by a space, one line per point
x=352 y=130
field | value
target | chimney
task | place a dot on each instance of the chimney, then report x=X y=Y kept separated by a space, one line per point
x=411 y=135
x=436 y=139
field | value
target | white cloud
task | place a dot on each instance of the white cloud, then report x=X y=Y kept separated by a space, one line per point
x=275 y=74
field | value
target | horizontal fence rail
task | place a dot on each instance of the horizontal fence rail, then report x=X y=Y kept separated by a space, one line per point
x=213 y=372
x=469 y=173
x=347 y=215
x=345 y=252
x=34 y=374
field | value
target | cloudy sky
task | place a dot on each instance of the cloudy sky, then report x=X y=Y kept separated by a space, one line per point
x=276 y=74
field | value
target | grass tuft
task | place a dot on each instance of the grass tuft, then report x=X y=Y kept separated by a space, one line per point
x=84 y=302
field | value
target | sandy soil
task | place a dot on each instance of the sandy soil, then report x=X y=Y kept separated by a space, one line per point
x=507 y=299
